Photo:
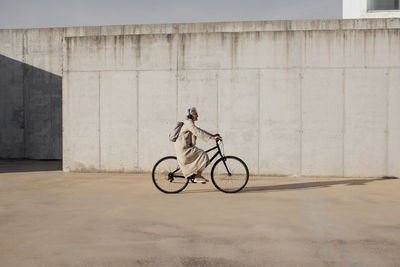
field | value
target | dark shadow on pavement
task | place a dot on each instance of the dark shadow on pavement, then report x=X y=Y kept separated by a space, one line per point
x=309 y=185
x=7 y=166
x=299 y=186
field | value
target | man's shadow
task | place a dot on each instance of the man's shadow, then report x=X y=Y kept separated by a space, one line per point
x=301 y=186
x=310 y=185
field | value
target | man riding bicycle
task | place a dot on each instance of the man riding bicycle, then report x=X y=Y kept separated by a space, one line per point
x=192 y=160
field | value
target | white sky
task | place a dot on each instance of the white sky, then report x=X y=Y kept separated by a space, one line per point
x=56 y=13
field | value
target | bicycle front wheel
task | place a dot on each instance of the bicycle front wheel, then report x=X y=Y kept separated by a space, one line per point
x=229 y=174
x=168 y=177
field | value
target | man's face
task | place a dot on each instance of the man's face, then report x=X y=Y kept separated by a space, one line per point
x=195 y=116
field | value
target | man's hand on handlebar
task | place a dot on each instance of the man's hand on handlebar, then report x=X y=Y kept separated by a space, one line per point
x=216 y=137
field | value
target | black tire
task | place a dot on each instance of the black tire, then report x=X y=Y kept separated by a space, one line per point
x=226 y=182
x=164 y=177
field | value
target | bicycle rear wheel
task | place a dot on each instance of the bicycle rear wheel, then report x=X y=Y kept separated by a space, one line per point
x=229 y=174
x=168 y=177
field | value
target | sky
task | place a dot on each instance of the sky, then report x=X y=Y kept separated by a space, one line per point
x=56 y=13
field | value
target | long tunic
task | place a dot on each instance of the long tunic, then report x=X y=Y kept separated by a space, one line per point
x=191 y=158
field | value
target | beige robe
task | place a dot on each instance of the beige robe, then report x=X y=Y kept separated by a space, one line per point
x=191 y=158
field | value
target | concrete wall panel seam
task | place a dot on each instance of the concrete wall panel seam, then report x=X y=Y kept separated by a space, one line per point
x=99 y=117
x=178 y=47
x=258 y=120
x=137 y=120
x=387 y=121
x=52 y=130
x=217 y=99
x=177 y=94
x=300 y=171
x=178 y=40
x=26 y=93
x=344 y=119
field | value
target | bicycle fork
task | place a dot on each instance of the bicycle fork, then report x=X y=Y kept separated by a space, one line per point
x=224 y=160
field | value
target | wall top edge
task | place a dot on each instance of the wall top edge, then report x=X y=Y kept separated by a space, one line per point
x=236 y=26
x=226 y=33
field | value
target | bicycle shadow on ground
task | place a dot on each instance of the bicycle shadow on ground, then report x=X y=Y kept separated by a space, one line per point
x=302 y=186
x=310 y=185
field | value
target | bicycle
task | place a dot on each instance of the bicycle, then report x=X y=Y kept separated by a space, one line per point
x=229 y=174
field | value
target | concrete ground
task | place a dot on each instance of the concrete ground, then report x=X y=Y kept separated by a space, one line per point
x=51 y=218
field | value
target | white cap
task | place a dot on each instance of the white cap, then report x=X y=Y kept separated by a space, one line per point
x=191 y=111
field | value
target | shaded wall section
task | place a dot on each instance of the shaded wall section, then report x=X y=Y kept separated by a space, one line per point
x=12 y=121
x=30 y=111
x=312 y=103
x=30 y=80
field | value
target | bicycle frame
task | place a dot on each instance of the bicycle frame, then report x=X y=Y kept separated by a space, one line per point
x=212 y=158
x=216 y=154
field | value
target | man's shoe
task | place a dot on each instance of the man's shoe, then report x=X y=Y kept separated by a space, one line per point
x=200 y=179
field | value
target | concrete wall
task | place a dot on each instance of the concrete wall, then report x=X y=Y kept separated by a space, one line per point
x=295 y=102
x=31 y=70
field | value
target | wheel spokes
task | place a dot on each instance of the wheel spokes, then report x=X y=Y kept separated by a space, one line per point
x=168 y=177
x=230 y=175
